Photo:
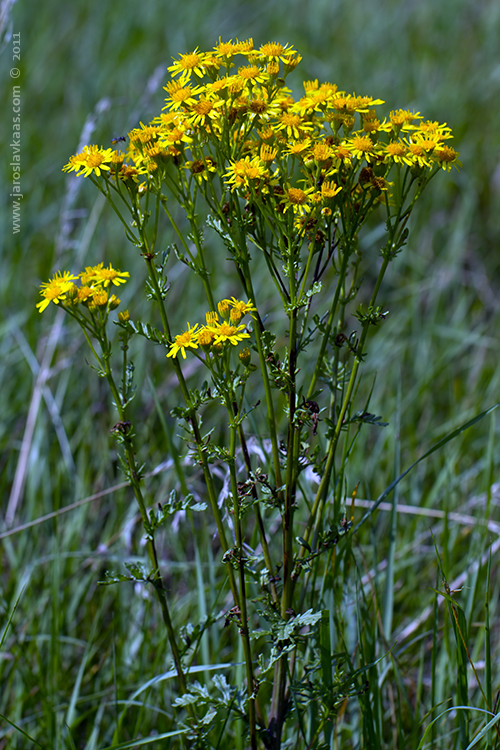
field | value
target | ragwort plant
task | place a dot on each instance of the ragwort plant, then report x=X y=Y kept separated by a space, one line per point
x=289 y=184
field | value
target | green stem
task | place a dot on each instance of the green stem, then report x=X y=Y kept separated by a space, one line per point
x=135 y=482
x=258 y=515
x=241 y=569
x=271 y=418
x=278 y=699
x=321 y=492
x=331 y=318
x=202 y=457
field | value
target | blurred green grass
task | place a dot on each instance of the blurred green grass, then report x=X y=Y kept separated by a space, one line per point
x=440 y=339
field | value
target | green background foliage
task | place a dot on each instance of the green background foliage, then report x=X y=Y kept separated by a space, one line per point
x=74 y=651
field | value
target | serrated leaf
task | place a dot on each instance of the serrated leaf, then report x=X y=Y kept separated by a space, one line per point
x=307 y=618
x=147 y=331
x=222 y=684
x=139 y=572
x=367 y=418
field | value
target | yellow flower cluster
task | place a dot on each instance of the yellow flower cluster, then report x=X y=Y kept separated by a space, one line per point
x=93 y=292
x=229 y=112
x=213 y=335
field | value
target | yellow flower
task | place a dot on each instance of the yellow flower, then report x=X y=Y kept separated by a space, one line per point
x=397 y=152
x=128 y=174
x=296 y=199
x=342 y=155
x=362 y=147
x=205 y=338
x=186 y=340
x=244 y=171
x=100 y=275
x=273 y=51
x=400 y=117
x=267 y=153
x=91 y=160
x=273 y=68
x=118 y=157
x=296 y=195
x=252 y=74
x=293 y=124
x=100 y=298
x=239 y=309
x=84 y=294
x=298 y=148
x=226 y=332
x=180 y=95
x=229 y=49
x=291 y=62
x=55 y=289
x=260 y=106
x=418 y=155
x=266 y=133
x=244 y=356
x=201 y=169
x=224 y=309
x=144 y=134
x=435 y=129
x=212 y=318
x=330 y=189
x=345 y=103
x=447 y=157
x=321 y=152
x=187 y=64
x=203 y=110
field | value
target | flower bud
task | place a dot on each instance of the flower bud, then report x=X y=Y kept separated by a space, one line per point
x=224 y=309
x=235 y=316
x=244 y=356
x=100 y=299
x=205 y=339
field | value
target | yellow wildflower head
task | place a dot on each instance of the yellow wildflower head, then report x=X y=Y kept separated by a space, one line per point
x=186 y=340
x=330 y=189
x=92 y=160
x=274 y=51
x=105 y=276
x=100 y=298
x=187 y=64
x=296 y=196
x=205 y=338
x=55 y=290
x=244 y=172
x=84 y=294
x=231 y=333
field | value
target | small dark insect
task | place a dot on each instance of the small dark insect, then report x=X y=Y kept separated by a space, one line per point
x=118 y=138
